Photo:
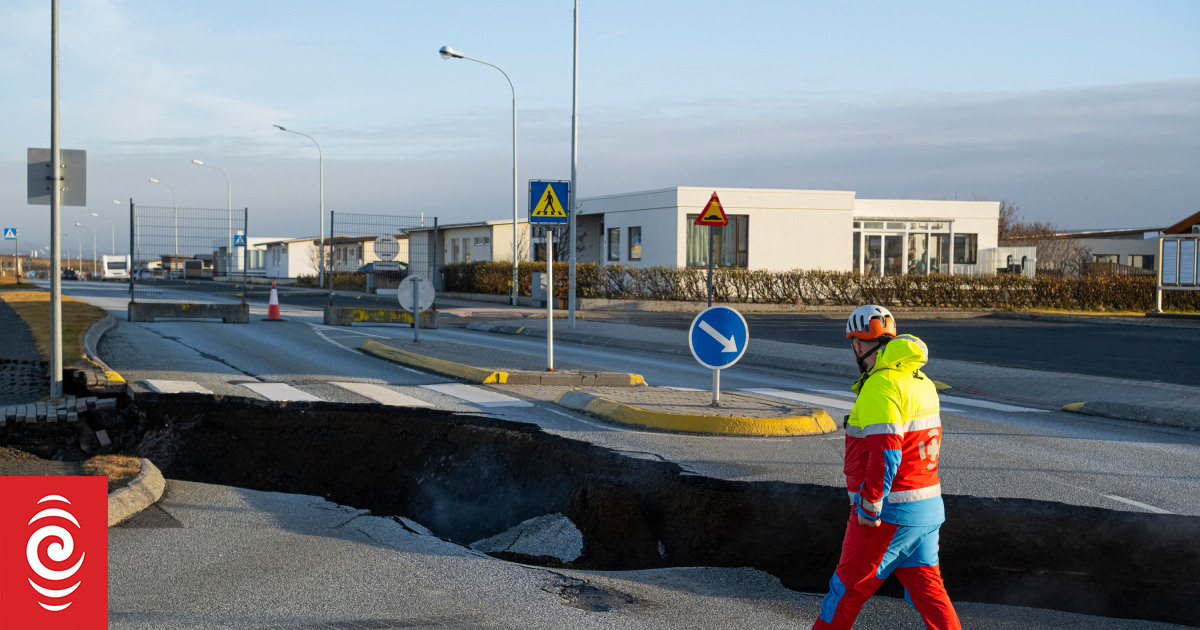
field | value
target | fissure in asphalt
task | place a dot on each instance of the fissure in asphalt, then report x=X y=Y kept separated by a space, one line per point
x=466 y=478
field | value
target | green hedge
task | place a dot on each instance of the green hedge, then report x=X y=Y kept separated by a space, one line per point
x=1001 y=291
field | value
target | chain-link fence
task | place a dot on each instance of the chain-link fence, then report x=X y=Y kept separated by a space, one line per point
x=373 y=253
x=190 y=260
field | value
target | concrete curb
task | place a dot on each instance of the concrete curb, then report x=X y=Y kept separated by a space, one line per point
x=1138 y=413
x=816 y=423
x=447 y=368
x=91 y=344
x=145 y=490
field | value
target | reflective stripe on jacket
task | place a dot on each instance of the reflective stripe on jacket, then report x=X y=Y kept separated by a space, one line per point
x=894 y=437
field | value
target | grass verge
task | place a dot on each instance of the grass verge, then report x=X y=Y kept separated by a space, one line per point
x=33 y=307
x=120 y=469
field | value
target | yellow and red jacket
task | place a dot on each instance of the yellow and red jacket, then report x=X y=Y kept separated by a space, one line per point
x=894 y=437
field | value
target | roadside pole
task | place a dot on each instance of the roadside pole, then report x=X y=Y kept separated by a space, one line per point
x=711 y=246
x=713 y=216
x=549 y=299
x=56 y=365
x=548 y=203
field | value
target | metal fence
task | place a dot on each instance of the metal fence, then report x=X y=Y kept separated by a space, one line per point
x=374 y=252
x=183 y=255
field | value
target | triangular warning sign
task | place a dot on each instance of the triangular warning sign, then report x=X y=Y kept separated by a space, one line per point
x=713 y=213
x=549 y=205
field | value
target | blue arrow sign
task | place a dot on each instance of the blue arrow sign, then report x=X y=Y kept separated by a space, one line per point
x=10 y=234
x=718 y=337
x=239 y=240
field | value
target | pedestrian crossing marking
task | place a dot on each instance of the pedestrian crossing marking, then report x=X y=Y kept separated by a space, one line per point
x=804 y=398
x=382 y=395
x=280 y=392
x=176 y=387
x=548 y=205
x=477 y=395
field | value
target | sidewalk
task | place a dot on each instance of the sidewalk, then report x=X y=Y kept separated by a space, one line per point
x=1143 y=401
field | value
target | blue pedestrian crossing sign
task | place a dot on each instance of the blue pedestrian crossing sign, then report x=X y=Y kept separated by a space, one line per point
x=718 y=337
x=10 y=234
x=548 y=201
x=239 y=240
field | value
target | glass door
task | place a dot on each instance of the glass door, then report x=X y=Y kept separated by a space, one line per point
x=893 y=254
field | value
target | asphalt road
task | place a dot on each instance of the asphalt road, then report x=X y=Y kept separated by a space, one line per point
x=1150 y=353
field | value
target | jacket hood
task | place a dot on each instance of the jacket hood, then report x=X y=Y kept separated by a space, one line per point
x=905 y=352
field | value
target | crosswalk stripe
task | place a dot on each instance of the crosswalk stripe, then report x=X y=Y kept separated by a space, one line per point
x=804 y=398
x=383 y=395
x=280 y=392
x=971 y=402
x=176 y=387
x=477 y=395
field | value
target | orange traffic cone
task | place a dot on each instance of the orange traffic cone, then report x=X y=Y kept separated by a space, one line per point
x=273 y=307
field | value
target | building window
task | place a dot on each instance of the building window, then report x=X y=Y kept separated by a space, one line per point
x=966 y=249
x=614 y=244
x=1141 y=261
x=466 y=244
x=635 y=243
x=1106 y=258
x=731 y=242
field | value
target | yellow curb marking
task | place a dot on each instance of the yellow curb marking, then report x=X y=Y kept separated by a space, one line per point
x=113 y=376
x=448 y=368
x=1073 y=406
x=941 y=387
x=816 y=423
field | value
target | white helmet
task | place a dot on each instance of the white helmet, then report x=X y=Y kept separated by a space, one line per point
x=869 y=322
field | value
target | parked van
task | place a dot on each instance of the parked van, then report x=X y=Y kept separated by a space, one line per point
x=114 y=267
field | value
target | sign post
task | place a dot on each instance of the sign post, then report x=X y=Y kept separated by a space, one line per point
x=718 y=338
x=553 y=197
x=415 y=294
x=10 y=234
x=713 y=216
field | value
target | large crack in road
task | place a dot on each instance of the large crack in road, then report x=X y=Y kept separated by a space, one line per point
x=466 y=478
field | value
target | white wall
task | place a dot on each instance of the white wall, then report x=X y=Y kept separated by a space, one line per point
x=1124 y=247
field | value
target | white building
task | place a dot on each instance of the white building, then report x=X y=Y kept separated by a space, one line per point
x=796 y=229
x=291 y=258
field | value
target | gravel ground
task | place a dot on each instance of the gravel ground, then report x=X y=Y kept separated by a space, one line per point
x=14 y=463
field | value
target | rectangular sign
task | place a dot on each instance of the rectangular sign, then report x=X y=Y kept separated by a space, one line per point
x=1169 y=265
x=1187 y=261
x=74 y=174
x=548 y=201
x=54 y=553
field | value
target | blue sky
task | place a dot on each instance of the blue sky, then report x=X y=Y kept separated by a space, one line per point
x=1085 y=114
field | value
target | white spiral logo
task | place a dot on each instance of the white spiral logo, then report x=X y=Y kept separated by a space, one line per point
x=59 y=552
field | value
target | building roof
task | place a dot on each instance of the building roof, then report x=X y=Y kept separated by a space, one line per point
x=1184 y=226
x=447 y=226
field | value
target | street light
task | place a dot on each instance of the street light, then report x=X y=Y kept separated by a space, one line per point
x=112 y=226
x=95 y=262
x=79 y=259
x=229 y=258
x=321 y=243
x=175 y=204
x=449 y=53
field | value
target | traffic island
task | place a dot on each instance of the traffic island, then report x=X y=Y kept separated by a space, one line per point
x=692 y=412
x=476 y=364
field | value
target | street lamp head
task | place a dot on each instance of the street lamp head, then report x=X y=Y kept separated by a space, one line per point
x=281 y=127
x=96 y=215
x=117 y=201
x=449 y=53
x=198 y=162
x=78 y=224
x=153 y=181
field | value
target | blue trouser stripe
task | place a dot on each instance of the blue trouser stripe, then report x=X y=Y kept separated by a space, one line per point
x=829 y=604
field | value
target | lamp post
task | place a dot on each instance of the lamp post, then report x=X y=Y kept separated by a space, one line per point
x=78 y=259
x=320 y=243
x=449 y=53
x=112 y=226
x=95 y=264
x=229 y=257
x=175 y=204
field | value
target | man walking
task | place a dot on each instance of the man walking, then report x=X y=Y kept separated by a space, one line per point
x=893 y=438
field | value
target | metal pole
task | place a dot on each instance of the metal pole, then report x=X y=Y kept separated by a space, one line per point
x=711 y=247
x=572 y=195
x=416 y=308
x=716 y=401
x=332 y=231
x=245 y=253
x=514 y=269
x=56 y=366
x=549 y=299
x=133 y=251
x=1158 y=289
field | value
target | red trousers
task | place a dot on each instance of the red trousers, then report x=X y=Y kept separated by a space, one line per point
x=869 y=556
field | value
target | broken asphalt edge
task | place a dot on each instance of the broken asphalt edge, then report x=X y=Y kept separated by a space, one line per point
x=814 y=423
x=91 y=344
x=143 y=491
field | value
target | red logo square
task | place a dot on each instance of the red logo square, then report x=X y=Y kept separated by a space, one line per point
x=53 y=553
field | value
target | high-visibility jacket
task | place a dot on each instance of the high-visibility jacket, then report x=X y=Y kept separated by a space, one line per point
x=894 y=437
